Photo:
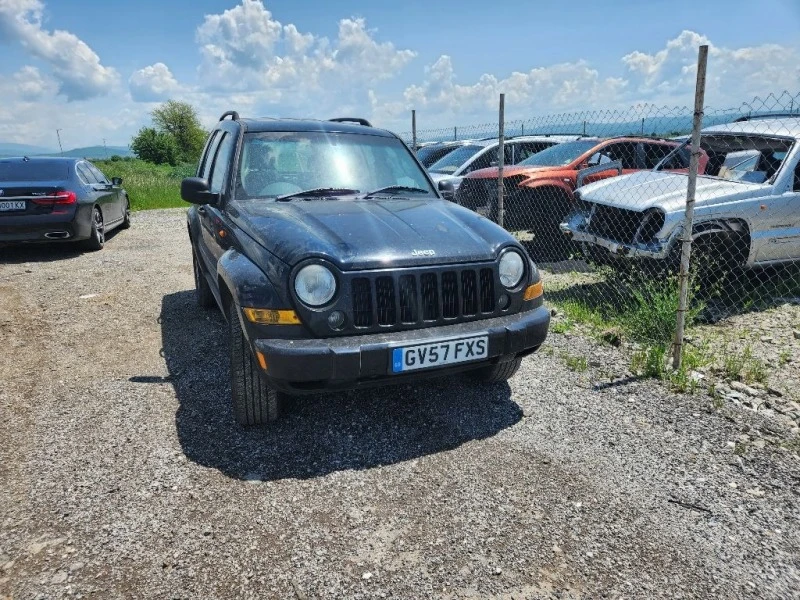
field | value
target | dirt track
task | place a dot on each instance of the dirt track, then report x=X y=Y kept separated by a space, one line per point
x=124 y=476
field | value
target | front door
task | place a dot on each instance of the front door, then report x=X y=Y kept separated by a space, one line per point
x=215 y=231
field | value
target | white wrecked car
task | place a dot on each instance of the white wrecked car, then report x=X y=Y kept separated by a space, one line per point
x=747 y=210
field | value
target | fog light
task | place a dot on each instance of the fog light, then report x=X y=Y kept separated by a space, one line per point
x=503 y=301
x=336 y=319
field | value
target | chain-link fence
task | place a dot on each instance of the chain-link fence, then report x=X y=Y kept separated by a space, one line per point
x=599 y=198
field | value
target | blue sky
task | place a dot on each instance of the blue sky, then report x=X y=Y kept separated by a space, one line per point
x=96 y=67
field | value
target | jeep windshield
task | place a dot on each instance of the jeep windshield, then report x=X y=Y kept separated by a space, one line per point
x=316 y=164
x=559 y=155
x=453 y=161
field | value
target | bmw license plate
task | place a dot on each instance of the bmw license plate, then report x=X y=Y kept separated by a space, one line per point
x=439 y=354
x=12 y=205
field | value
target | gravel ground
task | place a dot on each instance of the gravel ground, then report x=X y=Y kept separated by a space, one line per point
x=124 y=476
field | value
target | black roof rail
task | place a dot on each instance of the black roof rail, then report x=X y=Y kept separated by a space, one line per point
x=231 y=113
x=768 y=115
x=358 y=120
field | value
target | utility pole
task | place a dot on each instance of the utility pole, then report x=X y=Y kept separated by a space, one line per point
x=105 y=148
x=58 y=135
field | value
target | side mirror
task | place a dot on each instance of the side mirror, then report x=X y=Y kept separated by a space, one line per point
x=116 y=181
x=195 y=190
x=447 y=189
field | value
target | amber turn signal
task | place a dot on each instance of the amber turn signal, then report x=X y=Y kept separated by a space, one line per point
x=262 y=361
x=264 y=316
x=533 y=291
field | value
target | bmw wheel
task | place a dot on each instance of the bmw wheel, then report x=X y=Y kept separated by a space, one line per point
x=97 y=237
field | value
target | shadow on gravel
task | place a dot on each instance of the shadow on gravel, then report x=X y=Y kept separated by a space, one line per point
x=44 y=252
x=317 y=434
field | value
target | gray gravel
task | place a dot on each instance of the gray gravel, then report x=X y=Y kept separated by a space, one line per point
x=124 y=476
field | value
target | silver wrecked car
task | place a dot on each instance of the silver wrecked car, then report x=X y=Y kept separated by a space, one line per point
x=747 y=208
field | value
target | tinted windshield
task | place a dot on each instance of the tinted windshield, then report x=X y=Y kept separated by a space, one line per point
x=278 y=163
x=560 y=154
x=451 y=163
x=34 y=170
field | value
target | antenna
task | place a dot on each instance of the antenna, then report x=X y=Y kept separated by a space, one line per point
x=58 y=134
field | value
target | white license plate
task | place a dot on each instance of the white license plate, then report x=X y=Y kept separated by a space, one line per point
x=438 y=354
x=12 y=205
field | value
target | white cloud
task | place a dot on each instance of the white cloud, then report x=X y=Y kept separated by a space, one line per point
x=29 y=84
x=74 y=64
x=154 y=83
x=734 y=74
x=246 y=49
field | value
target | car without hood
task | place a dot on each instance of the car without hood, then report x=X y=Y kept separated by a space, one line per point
x=747 y=204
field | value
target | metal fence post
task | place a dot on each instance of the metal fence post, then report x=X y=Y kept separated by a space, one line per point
x=500 y=161
x=414 y=130
x=686 y=242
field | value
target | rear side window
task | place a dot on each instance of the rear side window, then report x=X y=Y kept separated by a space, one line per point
x=86 y=174
x=655 y=153
x=221 y=162
x=34 y=170
x=98 y=174
x=204 y=169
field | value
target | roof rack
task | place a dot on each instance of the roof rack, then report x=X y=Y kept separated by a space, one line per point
x=231 y=113
x=768 y=115
x=358 y=120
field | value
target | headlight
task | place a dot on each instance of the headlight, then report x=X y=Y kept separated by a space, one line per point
x=512 y=268
x=315 y=285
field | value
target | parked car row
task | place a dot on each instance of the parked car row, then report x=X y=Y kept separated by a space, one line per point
x=624 y=197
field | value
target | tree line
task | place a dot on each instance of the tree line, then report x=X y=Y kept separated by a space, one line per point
x=175 y=136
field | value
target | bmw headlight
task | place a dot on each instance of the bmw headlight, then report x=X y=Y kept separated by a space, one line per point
x=512 y=268
x=315 y=285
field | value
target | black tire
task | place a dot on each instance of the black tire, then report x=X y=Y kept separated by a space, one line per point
x=97 y=238
x=126 y=218
x=205 y=298
x=496 y=373
x=254 y=401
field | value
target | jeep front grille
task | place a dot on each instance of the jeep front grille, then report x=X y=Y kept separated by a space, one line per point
x=420 y=298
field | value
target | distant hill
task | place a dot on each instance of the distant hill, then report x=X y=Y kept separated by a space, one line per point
x=94 y=152
x=9 y=149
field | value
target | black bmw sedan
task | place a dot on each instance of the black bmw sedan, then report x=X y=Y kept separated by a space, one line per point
x=59 y=199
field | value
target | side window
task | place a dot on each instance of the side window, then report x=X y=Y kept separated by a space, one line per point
x=796 y=185
x=204 y=170
x=484 y=161
x=85 y=174
x=221 y=163
x=527 y=149
x=625 y=152
x=98 y=174
x=655 y=153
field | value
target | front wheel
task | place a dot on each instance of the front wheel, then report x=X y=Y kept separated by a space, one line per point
x=254 y=401
x=496 y=373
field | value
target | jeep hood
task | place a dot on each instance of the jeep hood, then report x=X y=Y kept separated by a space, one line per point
x=369 y=234
x=667 y=191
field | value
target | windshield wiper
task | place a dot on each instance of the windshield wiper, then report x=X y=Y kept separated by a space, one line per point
x=328 y=191
x=396 y=188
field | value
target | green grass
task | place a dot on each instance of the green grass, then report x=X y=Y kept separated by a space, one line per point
x=148 y=185
x=743 y=366
x=575 y=363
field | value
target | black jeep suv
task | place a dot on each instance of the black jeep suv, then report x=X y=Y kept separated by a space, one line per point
x=338 y=264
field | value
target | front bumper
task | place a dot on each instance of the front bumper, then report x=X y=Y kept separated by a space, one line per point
x=574 y=230
x=298 y=366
